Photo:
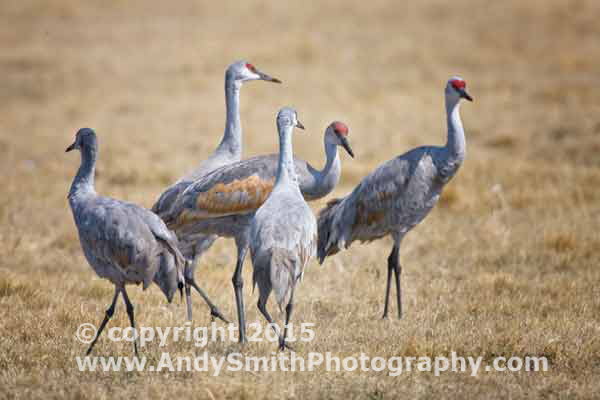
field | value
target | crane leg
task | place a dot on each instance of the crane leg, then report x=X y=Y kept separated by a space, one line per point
x=262 y=306
x=392 y=265
x=188 y=300
x=288 y=313
x=398 y=271
x=214 y=310
x=129 y=307
x=109 y=313
x=191 y=282
x=238 y=284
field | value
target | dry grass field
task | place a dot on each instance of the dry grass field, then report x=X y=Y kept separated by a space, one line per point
x=506 y=265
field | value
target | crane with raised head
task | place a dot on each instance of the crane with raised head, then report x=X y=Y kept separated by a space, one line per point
x=397 y=196
x=228 y=151
x=283 y=232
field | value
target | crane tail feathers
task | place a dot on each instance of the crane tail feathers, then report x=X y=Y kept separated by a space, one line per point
x=179 y=259
x=328 y=230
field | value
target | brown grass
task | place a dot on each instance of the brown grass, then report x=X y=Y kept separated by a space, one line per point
x=508 y=265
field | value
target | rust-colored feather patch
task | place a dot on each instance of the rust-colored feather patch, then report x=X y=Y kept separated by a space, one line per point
x=237 y=197
x=367 y=217
x=121 y=257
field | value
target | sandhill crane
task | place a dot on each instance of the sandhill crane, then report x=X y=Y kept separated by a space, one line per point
x=283 y=231
x=122 y=242
x=222 y=202
x=396 y=196
x=228 y=151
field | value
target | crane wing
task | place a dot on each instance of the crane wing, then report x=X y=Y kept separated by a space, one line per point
x=237 y=188
x=160 y=231
x=363 y=214
x=167 y=199
x=377 y=192
x=114 y=236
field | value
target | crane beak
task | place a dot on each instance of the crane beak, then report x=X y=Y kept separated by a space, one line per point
x=299 y=125
x=180 y=286
x=465 y=95
x=71 y=147
x=267 y=78
x=346 y=145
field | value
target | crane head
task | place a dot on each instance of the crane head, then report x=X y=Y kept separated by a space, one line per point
x=85 y=137
x=337 y=133
x=287 y=116
x=242 y=71
x=458 y=87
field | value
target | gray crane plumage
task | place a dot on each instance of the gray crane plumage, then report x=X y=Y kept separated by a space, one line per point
x=396 y=196
x=283 y=231
x=121 y=241
x=228 y=151
x=222 y=203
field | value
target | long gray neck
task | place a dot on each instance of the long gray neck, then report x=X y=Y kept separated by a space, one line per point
x=329 y=176
x=286 y=172
x=232 y=138
x=84 y=180
x=455 y=146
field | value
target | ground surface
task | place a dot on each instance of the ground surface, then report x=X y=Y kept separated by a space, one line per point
x=507 y=264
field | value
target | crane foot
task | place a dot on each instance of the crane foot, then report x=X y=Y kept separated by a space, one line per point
x=285 y=345
x=215 y=313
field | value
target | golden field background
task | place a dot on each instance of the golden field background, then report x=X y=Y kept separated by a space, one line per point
x=507 y=264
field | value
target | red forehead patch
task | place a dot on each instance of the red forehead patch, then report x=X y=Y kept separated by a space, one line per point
x=340 y=128
x=250 y=67
x=458 y=84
